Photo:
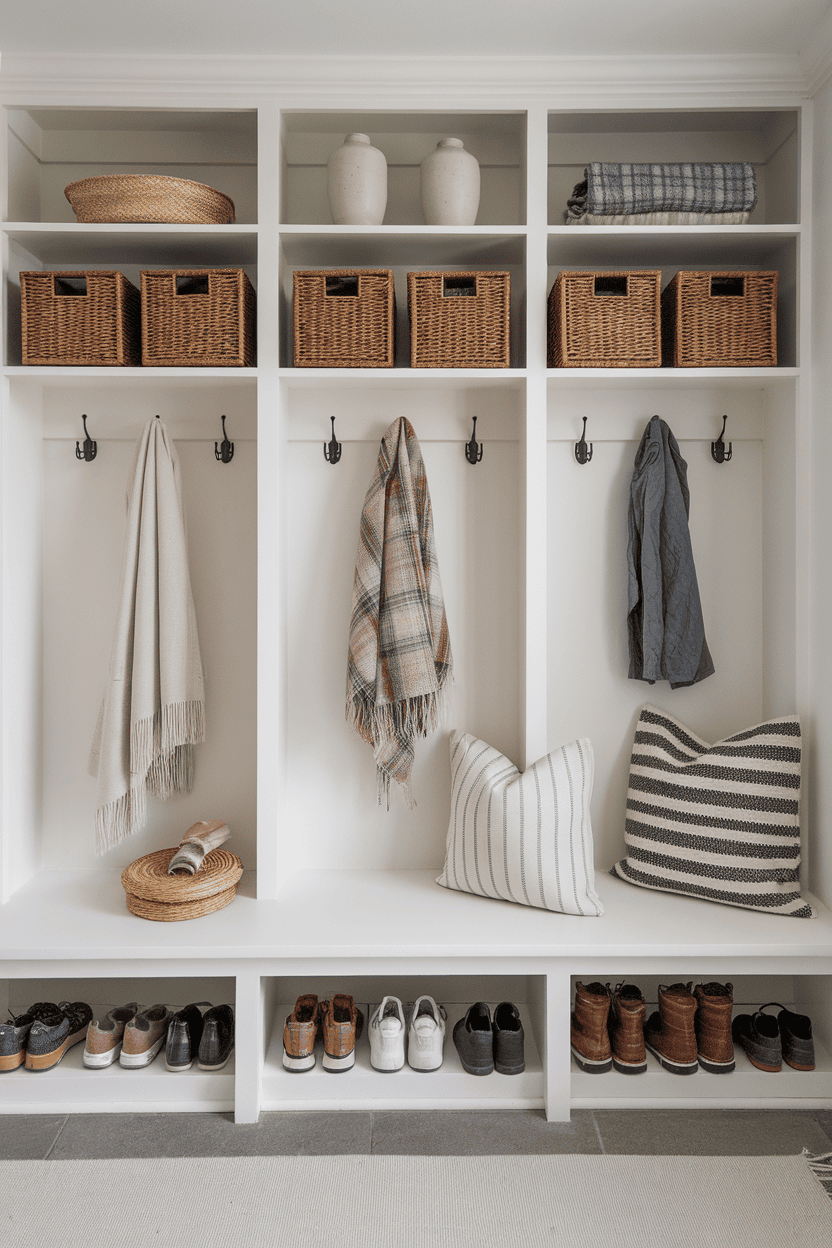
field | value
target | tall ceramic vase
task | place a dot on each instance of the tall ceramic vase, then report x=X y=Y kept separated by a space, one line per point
x=357 y=182
x=450 y=185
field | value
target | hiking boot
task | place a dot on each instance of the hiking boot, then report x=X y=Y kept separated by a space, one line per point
x=144 y=1036
x=387 y=1032
x=217 y=1038
x=52 y=1035
x=474 y=1040
x=796 y=1040
x=184 y=1036
x=712 y=1023
x=426 y=1035
x=759 y=1035
x=342 y=1025
x=105 y=1036
x=625 y=1026
x=589 y=1036
x=509 y=1058
x=300 y=1032
x=669 y=1033
x=15 y=1033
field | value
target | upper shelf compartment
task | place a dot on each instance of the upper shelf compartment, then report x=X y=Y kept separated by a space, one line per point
x=51 y=147
x=768 y=138
x=497 y=140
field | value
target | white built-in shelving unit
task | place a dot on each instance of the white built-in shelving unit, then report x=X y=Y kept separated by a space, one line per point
x=339 y=894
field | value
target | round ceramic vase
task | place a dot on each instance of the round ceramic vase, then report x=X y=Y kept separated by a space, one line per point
x=450 y=185
x=357 y=182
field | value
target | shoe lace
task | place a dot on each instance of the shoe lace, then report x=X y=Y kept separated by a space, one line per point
x=77 y=1012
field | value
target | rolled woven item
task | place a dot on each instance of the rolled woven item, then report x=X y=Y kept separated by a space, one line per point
x=153 y=894
x=198 y=841
x=129 y=197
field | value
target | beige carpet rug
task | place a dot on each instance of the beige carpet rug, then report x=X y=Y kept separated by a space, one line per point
x=416 y=1202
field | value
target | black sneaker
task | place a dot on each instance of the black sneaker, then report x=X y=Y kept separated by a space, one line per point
x=509 y=1058
x=51 y=1035
x=15 y=1033
x=217 y=1038
x=474 y=1040
x=184 y=1036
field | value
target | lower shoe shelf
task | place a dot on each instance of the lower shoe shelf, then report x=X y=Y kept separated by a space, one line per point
x=365 y=1088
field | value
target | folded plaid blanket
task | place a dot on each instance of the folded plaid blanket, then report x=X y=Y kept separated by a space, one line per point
x=399 y=664
x=610 y=189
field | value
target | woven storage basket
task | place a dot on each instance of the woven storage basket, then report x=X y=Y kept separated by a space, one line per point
x=459 y=320
x=726 y=319
x=129 y=197
x=78 y=317
x=344 y=318
x=153 y=894
x=203 y=318
x=605 y=320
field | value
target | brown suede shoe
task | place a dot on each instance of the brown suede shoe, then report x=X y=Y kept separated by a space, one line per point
x=300 y=1032
x=712 y=1023
x=625 y=1024
x=670 y=1034
x=342 y=1026
x=590 y=1039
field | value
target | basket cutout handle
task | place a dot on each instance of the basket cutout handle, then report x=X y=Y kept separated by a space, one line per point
x=192 y=284
x=341 y=286
x=70 y=286
x=456 y=287
x=611 y=284
x=727 y=287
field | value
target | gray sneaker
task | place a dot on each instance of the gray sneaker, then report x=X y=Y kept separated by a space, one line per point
x=52 y=1035
x=15 y=1033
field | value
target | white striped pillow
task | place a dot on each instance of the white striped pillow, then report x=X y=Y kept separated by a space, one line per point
x=720 y=822
x=524 y=838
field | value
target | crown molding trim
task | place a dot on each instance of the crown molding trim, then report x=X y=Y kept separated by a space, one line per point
x=563 y=81
x=816 y=57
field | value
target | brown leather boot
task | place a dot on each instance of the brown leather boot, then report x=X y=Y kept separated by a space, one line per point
x=669 y=1034
x=714 y=1006
x=590 y=1040
x=626 y=1029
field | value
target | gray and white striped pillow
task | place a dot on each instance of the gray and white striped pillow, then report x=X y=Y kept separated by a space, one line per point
x=524 y=838
x=720 y=822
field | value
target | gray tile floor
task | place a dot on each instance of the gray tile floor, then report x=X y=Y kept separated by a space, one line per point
x=742 y=1132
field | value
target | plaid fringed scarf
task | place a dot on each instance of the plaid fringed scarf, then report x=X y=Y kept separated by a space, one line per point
x=399 y=665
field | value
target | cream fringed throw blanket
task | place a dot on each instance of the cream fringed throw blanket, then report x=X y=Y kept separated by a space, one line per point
x=399 y=666
x=154 y=703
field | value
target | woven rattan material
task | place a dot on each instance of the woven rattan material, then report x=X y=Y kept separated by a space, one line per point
x=605 y=320
x=725 y=319
x=127 y=197
x=202 y=318
x=344 y=318
x=153 y=894
x=98 y=328
x=459 y=320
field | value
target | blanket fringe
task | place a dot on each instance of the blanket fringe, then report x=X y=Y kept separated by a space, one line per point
x=417 y=716
x=159 y=735
x=120 y=819
x=820 y=1165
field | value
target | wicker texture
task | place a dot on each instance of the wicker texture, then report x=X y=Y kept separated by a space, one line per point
x=344 y=330
x=459 y=330
x=202 y=318
x=589 y=327
x=153 y=894
x=725 y=319
x=101 y=327
x=131 y=197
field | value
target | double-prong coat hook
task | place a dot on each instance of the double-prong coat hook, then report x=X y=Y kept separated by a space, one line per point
x=332 y=449
x=225 y=450
x=583 y=449
x=89 y=450
x=720 y=454
x=473 y=449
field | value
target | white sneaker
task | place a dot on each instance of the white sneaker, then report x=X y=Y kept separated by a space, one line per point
x=387 y=1036
x=426 y=1036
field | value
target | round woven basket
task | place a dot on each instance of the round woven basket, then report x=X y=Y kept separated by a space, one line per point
x=126 y=197
x=153 y=894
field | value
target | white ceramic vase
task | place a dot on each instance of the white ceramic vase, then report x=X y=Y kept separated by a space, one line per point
x=450 y=185
x=357 y=182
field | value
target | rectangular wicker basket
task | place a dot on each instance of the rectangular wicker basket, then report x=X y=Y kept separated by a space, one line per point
x=80 y=317
x=725 y=319
x=344 y=318
x=202 y=318
x=459 y=320
x=607 y=319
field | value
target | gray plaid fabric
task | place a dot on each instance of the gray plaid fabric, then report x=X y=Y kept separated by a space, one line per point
x=399 y=665
x=639 y=188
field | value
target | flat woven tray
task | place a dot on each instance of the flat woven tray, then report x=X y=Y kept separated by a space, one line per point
x=125 y=197
x=153 y=894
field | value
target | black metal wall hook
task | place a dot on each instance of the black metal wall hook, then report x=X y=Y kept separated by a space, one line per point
x=720 y=454
x=332 y=449
x=583 y=449
x=473 y=449
x=90 y=449
x=225 y=450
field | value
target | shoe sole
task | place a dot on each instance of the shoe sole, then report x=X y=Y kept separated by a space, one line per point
x=338 y=1065
x=134 y=1061
x=12 y=1061
x=795 y=1066
x=589 y=1066
x=214 y=1065
x=390 y=1070
x=770 y=1070
x=629 y=1068
x=475 y=1070
x=297 y=1065
x=96 y=1061
x=509 y=1070
x=422 y=1070
x=716 y=1068
x=675 y=1068
x=177 y=1069
x=39 y=1062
